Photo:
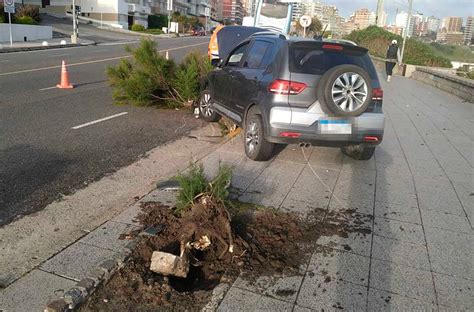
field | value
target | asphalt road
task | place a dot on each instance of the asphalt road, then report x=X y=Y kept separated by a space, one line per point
x=41 y=156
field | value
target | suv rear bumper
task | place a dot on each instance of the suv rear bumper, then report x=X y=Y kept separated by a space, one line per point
x=312 y=128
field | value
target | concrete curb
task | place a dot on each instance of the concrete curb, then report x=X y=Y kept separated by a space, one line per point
x=86 y=287
x=12 y=50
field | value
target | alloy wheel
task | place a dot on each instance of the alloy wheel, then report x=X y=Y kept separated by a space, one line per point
x=349 y=91
x=205 y=105
x=251 y=136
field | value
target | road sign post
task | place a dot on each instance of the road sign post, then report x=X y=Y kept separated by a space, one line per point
x=305 y=21
x=9 y=7
x=170 y=9
x=207 y=13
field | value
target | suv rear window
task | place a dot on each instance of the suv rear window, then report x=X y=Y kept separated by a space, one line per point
x=310 y=58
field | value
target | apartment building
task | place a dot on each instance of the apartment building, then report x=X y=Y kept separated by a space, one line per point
x=469 y=30
x=232 y=11
x=161 y=7
x=117 y=13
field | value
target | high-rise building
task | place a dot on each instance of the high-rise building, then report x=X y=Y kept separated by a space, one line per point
x=451 y=37
x=361 y=18
x=469 y=30
x=232 y=11
x=452 y=24
x=433 y=24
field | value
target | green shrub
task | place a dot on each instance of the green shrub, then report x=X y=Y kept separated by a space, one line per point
x=150 y=79
x=191 y=75
x=2 y=16
x=27 y=20
x=154 y=31
x=376 y=40
x=194 y=183
x=145 y=80
x=138 y=27
x=157 y=21
x=27 y=11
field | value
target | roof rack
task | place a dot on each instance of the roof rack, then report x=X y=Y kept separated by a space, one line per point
x=269 y=33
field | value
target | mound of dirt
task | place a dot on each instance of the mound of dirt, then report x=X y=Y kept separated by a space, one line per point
x=265 y=242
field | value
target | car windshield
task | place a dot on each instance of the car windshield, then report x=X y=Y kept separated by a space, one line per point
x=310 y=58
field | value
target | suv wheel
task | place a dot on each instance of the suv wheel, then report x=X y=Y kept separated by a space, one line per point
x=359 y=152
x=206 y=110
x=345 y=90
x=256 y=147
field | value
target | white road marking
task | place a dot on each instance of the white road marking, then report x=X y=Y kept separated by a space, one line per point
x=57 y=55
x=48 y=88
x=117 y=43
x=4 y=61
x=97 y=51
x=95 y=61
x=99 y=120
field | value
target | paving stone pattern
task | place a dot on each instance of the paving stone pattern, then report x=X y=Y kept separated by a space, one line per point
x=419 y=189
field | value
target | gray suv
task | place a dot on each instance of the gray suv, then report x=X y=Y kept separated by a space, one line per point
x=291 y=90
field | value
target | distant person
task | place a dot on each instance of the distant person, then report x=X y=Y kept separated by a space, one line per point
x=393 y=57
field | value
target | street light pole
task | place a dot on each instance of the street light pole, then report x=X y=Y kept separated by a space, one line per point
x=74 y=23
x=406 y=30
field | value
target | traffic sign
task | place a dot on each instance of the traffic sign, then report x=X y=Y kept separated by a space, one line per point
x=305 y=21
x=9 y=6
x=10 y=10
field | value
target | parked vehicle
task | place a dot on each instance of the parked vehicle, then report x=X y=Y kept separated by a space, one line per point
x=199 y=31
x=291 y=90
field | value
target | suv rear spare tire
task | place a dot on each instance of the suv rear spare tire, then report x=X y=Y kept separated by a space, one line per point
x=345 y=90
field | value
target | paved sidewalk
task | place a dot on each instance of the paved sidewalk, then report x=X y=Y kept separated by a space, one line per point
x=44 y=254
x=417 y=191
x=54 y=43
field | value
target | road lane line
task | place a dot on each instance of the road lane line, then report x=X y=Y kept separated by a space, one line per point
x=99 y=120
x=58 y=55
x=96 y=61
x=48 y=88
x=4 y=61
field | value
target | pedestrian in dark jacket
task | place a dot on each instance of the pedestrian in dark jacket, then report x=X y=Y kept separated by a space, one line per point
x=393 y=55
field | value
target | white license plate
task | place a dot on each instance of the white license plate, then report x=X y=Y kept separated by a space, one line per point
x=335 y=126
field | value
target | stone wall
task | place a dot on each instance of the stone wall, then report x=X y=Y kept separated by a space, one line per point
x=441 y=79
x=461 y=87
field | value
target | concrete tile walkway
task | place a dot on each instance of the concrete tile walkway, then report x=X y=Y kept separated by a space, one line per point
x=418 y=189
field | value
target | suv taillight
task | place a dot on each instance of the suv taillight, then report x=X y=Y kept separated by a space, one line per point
x=377 y=94
x=286 y=87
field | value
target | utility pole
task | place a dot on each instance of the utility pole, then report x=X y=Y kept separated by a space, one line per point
x=74 y=23
x=379 y=13
x=405 y=32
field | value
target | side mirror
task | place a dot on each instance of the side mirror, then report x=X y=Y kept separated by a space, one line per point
x=216 y=62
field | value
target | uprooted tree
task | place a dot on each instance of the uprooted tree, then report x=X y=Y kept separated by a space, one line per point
x=205 y=225
x=150 y=79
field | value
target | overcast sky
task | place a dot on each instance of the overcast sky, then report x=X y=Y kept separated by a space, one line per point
x=438 y=8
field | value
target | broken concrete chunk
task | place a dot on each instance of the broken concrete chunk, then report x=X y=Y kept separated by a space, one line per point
x=168 y=264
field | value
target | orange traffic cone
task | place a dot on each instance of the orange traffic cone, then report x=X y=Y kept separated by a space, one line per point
x=64 y=84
